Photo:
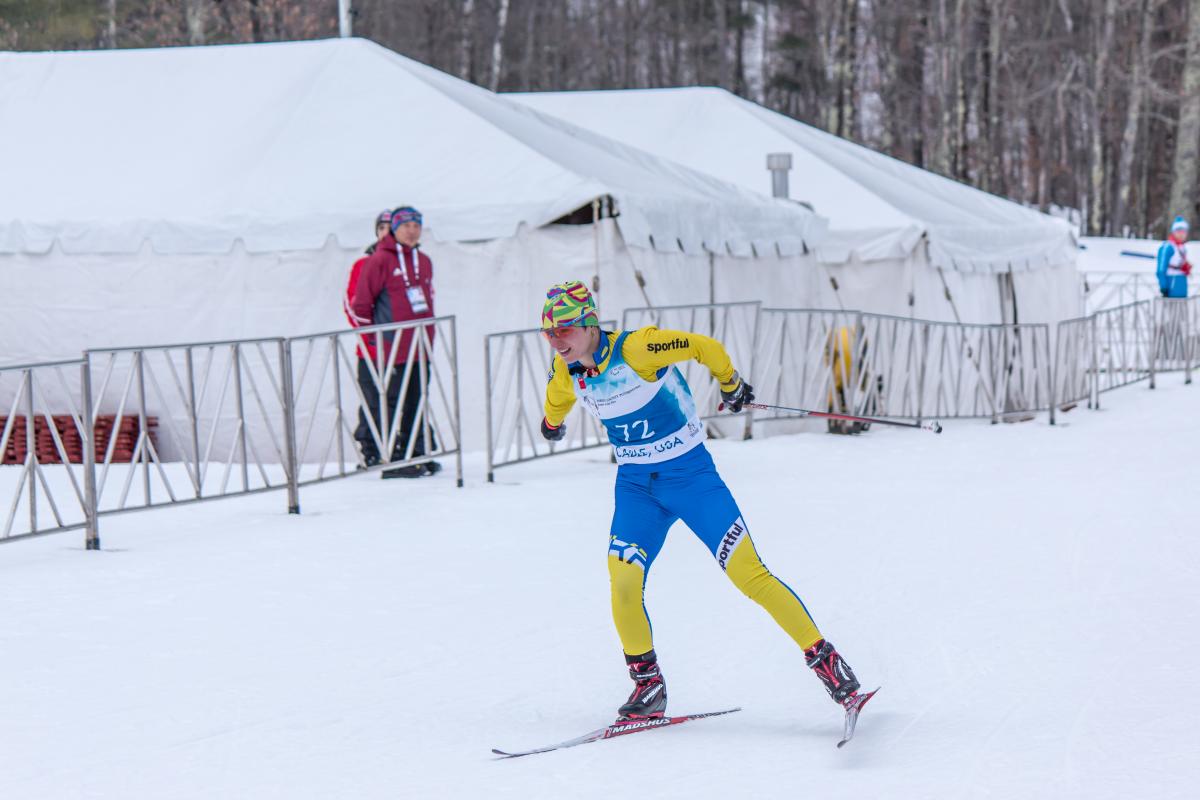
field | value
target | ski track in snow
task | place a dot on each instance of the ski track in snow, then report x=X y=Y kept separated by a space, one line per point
x=1025 y=595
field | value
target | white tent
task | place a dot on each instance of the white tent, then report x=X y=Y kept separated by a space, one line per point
x=895 y=230
x=190 y=194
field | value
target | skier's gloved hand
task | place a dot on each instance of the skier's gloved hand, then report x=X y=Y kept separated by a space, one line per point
x=551 y=433
x=1163 y=291
x=738 y=396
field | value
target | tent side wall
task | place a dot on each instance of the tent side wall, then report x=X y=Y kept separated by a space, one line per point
x=1050 y=294
x=778 y=281
x=884 y=286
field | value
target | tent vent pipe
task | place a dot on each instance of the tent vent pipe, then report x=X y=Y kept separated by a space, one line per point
x=780 y=164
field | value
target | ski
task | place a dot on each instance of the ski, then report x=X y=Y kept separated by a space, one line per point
x=853 y=706
x=621 y=727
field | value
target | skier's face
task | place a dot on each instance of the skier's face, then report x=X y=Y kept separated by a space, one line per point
x=572 y=342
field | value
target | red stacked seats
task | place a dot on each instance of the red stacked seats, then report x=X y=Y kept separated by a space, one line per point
x=72 y=442
x=15 y=449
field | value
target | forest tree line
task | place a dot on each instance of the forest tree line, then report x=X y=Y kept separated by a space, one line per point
x=1084 y=107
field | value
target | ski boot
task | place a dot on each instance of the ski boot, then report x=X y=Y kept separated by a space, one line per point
x=833 y=671
x=840 y=682
x=649 y=698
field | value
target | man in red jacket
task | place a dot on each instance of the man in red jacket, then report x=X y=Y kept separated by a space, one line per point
x=395 y=284
x=366 y=349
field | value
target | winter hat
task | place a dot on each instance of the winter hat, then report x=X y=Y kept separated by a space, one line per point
x=569 y=303
x=406 y=214
x=384 y=218
x=1180 y=224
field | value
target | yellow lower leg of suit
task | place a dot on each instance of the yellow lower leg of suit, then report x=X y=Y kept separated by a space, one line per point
x=745 y=569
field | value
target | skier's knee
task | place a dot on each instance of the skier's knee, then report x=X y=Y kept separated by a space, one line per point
x=739 y=560
x=626 y=571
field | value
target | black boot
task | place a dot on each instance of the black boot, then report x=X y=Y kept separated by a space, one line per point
x=833 y=671
x=411 y=471
x=649 y=698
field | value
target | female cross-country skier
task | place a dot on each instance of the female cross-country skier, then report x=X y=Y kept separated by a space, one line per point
x=629 y=382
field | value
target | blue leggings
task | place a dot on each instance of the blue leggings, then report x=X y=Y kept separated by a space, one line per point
x=687 y=488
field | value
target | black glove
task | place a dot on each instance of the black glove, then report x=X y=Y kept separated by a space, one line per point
x=553 y=434
x=1164 y=292
x=737 y=397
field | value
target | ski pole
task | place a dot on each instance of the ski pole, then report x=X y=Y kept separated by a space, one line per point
x=933 y=427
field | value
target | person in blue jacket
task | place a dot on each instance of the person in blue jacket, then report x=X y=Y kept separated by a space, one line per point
x=1173 y=265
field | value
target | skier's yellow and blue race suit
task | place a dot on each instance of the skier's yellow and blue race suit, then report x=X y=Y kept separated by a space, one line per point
x=665 y=473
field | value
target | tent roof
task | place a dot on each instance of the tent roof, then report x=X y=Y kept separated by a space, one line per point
x=878 y=207
x=283 y=145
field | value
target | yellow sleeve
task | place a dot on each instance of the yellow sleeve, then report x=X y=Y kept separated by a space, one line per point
x=560 y=395
x=650 y=349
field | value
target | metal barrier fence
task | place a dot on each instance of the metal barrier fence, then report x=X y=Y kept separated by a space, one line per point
x=46 y=449
x=1119 y=346
x=877 y=365
x=1103 y=290
x=516 y=364
x=151 y=426
x=733 y=324
x=1075 y=359
x=337 y=375
x=1122 y=345
x=209 y=420
x=1176 y=338
x=808 y=358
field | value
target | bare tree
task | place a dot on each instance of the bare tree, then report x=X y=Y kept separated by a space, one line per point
x=195 y=14
x=1187 y=139
x=498 y=45
x=110 y=28
x=1133 y=113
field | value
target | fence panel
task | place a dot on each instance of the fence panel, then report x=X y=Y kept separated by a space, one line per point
x=517 y=363
x=1176 y=334
x=188 y=422
x=43 y=443
x=890 y=366
x=807 y=359
x=1124 y=339
x=735 y=325
x=333 y=379
x=877 y=365
x=986 y=370
x=1074 y=364
x=1105 y=290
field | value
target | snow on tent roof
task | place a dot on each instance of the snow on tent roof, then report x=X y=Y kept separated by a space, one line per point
x=878 y=207
x=283 y=145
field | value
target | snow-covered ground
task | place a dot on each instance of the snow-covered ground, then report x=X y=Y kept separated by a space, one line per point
x=1027 y=596
x=1111 y=254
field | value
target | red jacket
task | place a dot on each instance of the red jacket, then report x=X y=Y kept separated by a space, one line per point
x=389 y=289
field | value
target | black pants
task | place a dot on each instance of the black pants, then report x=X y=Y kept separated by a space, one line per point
x=408 y=415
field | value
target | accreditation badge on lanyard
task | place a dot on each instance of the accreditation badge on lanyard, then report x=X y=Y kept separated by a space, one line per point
x=416 y=295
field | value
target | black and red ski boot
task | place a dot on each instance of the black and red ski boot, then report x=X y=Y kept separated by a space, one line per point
x=649 y=698
x=833 y=671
